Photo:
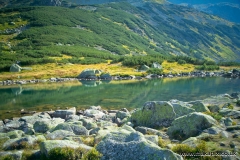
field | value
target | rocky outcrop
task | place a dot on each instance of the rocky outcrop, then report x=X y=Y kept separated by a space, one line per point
x=127 y=144
x=190 y=125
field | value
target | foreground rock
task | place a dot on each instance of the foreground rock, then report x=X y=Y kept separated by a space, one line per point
x=190 y=125
x=48 y=145
x=154 y=114
x=128 y=144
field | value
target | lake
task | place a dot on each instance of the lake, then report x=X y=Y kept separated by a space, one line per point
x=109 y=95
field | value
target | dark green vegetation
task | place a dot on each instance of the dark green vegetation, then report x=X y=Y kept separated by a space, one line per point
x=107 y=32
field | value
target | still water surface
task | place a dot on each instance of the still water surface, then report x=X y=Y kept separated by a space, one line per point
x=110 y=95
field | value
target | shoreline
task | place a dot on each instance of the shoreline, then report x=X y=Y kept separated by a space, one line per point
x=214 y=125
x=234 y=74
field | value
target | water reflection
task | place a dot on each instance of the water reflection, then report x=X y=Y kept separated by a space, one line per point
x=93 y=83
x=114 y=94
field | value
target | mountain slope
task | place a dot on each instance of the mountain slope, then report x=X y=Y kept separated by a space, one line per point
x=227 y=9
x=92 y=34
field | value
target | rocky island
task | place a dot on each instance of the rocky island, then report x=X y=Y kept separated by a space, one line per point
x=172 y=129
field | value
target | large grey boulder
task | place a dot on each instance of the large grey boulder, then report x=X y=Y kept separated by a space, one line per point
x=32 y=119
x=45 y=125
x=12 y=134
x=15 y=68
x=71 y=127
x=59 y=134
x=230 y=113
x=199 y=106
x=89 y=74
x=154 y=114
x=64 y=113
x=47 y=146
x=94 y=113
x=190 y=125
x=16 y=155
x=18 y=143
x=124 y=143
x=150 y=131
x=181 y=108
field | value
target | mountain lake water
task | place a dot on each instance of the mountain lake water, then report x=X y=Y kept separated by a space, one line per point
x=109 y=95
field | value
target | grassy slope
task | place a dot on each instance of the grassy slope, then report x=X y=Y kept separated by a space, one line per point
x=117 y=28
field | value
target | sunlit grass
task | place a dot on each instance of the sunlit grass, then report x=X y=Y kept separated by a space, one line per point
x=176 y=68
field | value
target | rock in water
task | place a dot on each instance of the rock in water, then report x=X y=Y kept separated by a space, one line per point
x=190 y=125
x=126 y=144
x=154 y=114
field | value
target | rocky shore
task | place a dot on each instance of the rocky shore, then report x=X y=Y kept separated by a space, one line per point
x=90 y=75
x=172 y=129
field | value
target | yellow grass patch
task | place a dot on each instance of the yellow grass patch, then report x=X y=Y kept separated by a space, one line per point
x=176 y=68
x=66 y=70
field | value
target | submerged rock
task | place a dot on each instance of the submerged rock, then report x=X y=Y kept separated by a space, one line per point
x=190 y=125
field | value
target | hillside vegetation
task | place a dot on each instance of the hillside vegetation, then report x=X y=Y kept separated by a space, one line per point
x=119 y=32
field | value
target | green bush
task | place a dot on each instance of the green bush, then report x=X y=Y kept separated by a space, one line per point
x=216 y=116
x=93 y=154
x=155 y=71
x=180 y=61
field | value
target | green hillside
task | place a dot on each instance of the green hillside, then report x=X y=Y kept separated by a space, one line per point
x=94 y=34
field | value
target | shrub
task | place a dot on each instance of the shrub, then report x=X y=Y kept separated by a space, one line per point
x=65 y=153
x=216 y=116
x=182 y=148
x=93 y=154
x=230 y=106
x=155 y=71
x=7 y=157
x=180 y=61
x=161 y=142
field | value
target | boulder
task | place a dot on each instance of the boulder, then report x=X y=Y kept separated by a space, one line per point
x=71 y=127
x=34 y=118
x=125 y=143
x=59 y=134
x=105 y=76
x=19 y=143
x=93 y=113
x=89 y=74
x=192 y=142
x=64 y=113
x=45 y=125
x=213 y=130
x=145 y=130
x=181 y=108
x=190 y=125
x=154 y=114
x=47 y=146
x=15 y=68
x=230 y=113
x=156 y=65
x=16 y=155
x=199 y=106
x=122 y=114
x=152 y=138
x=12 y=134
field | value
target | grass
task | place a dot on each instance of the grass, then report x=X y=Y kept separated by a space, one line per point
x=67 y=70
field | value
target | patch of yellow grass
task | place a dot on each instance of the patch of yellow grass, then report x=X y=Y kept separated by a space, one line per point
x=176 y=68
x=64 y=70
